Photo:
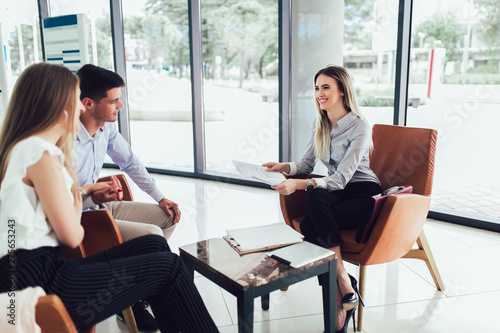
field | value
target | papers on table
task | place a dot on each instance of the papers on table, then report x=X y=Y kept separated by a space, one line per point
x=262 y=238
x=297 y=255
x=259 y=173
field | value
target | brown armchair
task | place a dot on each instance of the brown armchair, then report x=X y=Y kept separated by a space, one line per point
x=401 y=156
x=51 y=316
x=127 y=192
x=101 y=233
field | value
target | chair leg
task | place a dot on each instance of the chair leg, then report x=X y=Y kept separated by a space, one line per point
x=362 y=275
x=128 y=315
x=284 y=288
x=424 y=253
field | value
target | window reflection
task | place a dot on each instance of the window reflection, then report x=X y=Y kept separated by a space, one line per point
x=20 y=32
x=370 y=41
x=158 y=79
x=240 y=62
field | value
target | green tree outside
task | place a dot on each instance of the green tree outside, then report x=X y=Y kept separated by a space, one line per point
x=442 y=29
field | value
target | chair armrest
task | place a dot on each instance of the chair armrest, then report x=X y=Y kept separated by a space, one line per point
x=101 y=232
x=397 y=228
x=294 y=205
x=127 y=192
x=76 y=253
x=51 y=315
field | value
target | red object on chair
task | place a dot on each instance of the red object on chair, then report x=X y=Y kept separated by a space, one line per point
x=373 y=208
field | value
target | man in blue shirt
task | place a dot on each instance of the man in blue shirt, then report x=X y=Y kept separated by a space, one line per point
x=98 y=136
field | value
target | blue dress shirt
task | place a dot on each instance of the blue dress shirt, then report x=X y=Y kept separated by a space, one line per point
x=350 y=141
x=90 y=154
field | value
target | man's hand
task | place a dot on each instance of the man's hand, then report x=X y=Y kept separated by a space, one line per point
x=168 y=205
x=107 y=191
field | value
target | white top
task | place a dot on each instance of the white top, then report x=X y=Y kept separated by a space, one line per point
x=23 y=224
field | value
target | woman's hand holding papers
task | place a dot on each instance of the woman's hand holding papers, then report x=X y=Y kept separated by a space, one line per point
x=279 y=167
x=288 y=186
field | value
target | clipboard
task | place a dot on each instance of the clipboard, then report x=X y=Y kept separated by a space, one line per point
x=236 y=246
x=262 y=238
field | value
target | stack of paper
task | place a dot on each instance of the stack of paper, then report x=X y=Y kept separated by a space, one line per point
x=258 y=172
x=262 y=238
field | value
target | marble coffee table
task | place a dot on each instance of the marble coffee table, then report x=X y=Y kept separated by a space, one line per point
x=252 y=275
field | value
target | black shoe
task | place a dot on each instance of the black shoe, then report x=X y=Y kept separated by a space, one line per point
x=350 y=301
x=348 y=316
x=354 y=284
x=145 y=321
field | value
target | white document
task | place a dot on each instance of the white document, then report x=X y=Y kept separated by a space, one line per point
x=301 y=254
x=253 y=238
x=259 y=173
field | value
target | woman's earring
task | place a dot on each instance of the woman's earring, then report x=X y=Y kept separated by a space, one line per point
x=65 y=117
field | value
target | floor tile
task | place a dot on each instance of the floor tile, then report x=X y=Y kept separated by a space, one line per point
x=301 y=299
x=471 y=313
x=214 y=301
x=309 y=324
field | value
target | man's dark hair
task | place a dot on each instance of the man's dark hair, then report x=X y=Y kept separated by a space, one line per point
x=96 y=81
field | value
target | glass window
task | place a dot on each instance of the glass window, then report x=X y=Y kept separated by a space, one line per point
x=20 y=35
x=370 y=40
x=98 y=27
x=241 y=82
x=455 y=75
x=159 y=85
x=98 y=19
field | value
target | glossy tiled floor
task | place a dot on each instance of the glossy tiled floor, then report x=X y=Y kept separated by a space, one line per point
x=400 y=295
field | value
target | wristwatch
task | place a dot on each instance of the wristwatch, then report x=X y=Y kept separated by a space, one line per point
x=83 y=193
x=310 y=185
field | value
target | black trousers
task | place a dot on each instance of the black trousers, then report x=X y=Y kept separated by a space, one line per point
x=331 y=212
x=97 y=287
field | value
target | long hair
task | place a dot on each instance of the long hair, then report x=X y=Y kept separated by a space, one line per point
x=43 y=92
x=323 y=126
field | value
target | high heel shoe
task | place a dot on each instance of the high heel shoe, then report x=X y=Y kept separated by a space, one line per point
x=348 y=316
x=350 y=301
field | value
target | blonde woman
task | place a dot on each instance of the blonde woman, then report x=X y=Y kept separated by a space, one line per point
x=40 y=209
x=341 y=140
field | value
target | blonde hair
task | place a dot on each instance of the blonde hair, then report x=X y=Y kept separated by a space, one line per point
x=323 y=126
x=43 y=92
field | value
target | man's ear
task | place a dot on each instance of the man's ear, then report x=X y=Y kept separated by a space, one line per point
x=88 y=103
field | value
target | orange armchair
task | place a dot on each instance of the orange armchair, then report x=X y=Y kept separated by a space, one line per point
x=51 y=316
x=127 y=192
x=401 y=156
x=101 y=233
